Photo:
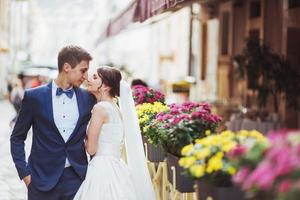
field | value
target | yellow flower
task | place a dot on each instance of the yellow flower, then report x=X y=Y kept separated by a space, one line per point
x=187 y=162
x=202 y=153
x=231 y=170
x=207 y=132
x=227 y=133
x=146 y=128
x=228 y=145
x=186 y=150
x=215 y=163
x=197 y=170
x=220 y=155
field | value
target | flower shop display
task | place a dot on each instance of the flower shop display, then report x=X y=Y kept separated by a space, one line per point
x=182 y=124
x=273 y=168
x=142 y=94
x=208 y=161
x=146 y=114
x=176 y=175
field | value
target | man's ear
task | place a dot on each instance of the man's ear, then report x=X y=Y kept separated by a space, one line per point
x=67 y=67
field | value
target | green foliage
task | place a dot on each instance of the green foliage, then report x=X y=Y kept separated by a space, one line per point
x=174 y=138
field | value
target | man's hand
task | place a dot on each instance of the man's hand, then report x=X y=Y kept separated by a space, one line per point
x=27 y=180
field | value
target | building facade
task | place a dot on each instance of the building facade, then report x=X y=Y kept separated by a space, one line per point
x=274 y=22
x=4 y=44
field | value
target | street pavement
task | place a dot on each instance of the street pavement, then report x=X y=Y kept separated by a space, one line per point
x=11 y=187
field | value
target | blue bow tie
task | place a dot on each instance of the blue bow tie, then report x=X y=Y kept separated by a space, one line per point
x=69 y=92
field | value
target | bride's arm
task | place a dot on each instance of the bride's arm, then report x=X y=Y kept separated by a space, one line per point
x=99 y=117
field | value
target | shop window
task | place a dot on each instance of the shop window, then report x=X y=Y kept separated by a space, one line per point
x=254 y=34
x=293 y=46
x=255 y=9
x=294 y=4
x=225 y=33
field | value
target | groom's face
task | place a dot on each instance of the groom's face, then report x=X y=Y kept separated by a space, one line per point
x=78 y=74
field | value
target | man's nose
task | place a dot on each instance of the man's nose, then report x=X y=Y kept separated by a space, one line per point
x=85 y=76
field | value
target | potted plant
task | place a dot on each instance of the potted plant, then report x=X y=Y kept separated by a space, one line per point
x=268 y=74
x=148 y=103
x=146 y=114
x=182 y=124
x=142 y=94
x=208 y=162
x=271 y=169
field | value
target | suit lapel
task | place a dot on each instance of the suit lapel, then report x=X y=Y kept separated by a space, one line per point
x=80 y=103
x=49 y=105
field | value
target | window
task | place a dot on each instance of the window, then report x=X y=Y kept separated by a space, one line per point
x=294 y=3
x=225 y=33
x=255 y=9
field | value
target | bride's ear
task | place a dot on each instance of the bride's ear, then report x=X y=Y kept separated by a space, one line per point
x=106 y=88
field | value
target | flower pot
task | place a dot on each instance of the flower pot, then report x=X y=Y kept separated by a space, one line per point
x=205 y=190
x=263 y=196
x=154 y=153
x=183 y=184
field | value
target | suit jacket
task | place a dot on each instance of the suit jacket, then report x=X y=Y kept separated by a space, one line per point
x=49 y=150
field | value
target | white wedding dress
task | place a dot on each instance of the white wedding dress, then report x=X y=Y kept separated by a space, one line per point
x=108 y=177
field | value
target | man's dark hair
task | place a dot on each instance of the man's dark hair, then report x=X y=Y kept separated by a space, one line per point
x=72 y=55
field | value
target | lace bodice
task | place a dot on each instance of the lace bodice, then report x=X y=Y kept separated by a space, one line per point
x=111 y=137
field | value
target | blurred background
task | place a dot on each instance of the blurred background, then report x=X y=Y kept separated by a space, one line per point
x=242 y=56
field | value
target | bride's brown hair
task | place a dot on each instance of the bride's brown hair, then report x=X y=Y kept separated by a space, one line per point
x=111 y=77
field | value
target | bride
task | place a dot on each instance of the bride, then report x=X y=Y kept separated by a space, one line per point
x=108 y=177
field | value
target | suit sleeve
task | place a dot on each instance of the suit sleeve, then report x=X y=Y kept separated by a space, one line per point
x=92 y=101
x=19 y=135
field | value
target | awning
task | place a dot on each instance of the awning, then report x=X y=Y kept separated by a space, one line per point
x=140 y=11
x=150 y=8
x=128 y=16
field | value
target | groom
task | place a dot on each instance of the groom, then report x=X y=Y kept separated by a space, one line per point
x=58 y=114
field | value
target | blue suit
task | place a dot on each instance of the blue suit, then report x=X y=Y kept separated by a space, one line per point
x=49 y=150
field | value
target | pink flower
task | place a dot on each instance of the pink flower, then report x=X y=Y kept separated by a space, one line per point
x=206 y=106
x=277 y=135
x=241 y=175
x=144 y=94
x=263 y=177
x=176 y=121
x=285 y=186
x=237 y=151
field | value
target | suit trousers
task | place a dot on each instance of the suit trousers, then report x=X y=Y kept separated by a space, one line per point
x=65 y=189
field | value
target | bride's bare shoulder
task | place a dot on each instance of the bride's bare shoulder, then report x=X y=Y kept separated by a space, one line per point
x=100 y=109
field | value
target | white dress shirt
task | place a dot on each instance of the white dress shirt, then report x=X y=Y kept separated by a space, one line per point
x=65 y=114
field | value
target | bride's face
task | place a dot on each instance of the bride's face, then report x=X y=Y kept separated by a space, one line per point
x=94 y=83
